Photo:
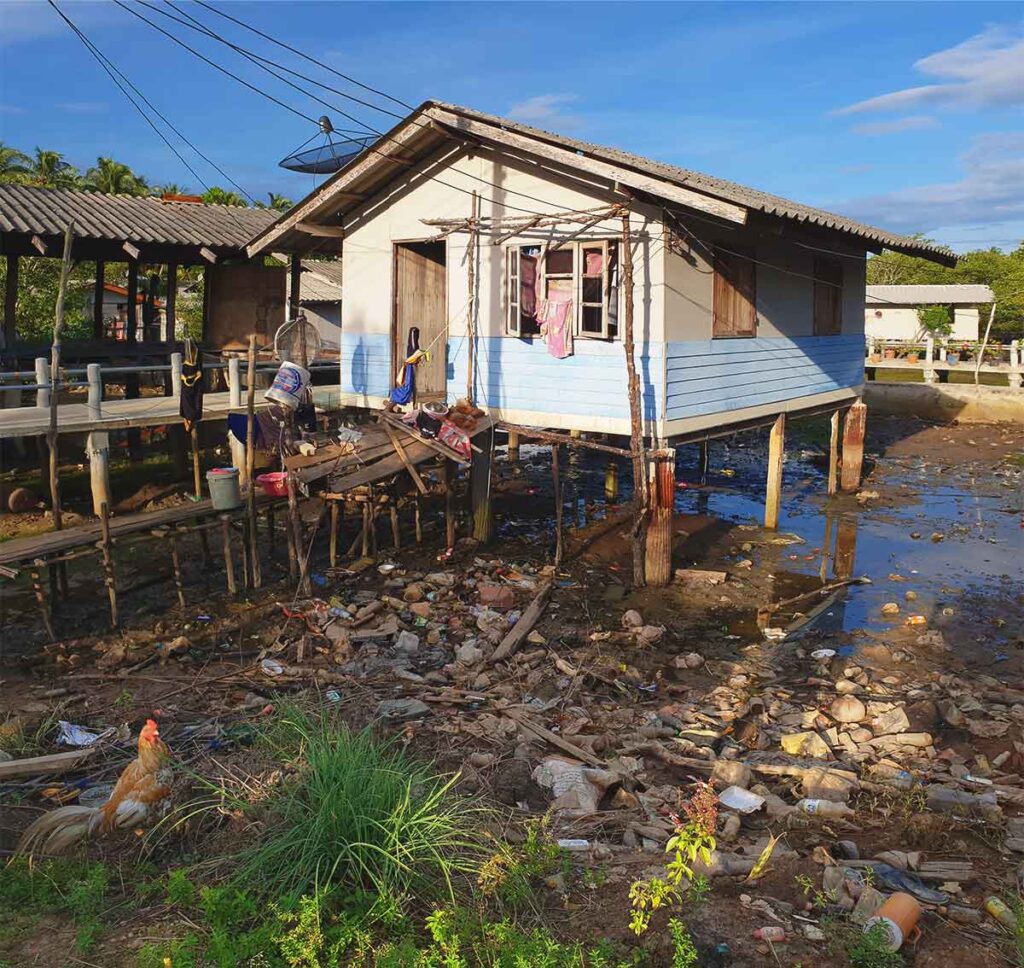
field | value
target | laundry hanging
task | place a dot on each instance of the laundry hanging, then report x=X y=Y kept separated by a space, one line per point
x=190 y=405
x=406 y=390
x=555 y=320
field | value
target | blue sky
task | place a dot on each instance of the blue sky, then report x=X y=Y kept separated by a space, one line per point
x=905 y=115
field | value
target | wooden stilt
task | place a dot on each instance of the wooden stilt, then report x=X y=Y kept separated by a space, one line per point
x=705 y=461
x=658 y=548
x=776 y=449
x=556 y=479
x=636 y=429
x=250 y=464
x=833 y=455
x=449 y=503
x=854 y=429
x=418 y=510
x=229 y=563
x=109 y=578
x=611 y=482
x=513 y=446
x=480 y=487
x=367 y=524
x=196 y=469
x=37 y=588
x=472 y=256
x=335 y=508
x=294 y=526
x=395 y=534
x=179 y=585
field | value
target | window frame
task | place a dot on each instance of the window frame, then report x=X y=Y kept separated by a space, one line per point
x=827 y=269
x=738 y=255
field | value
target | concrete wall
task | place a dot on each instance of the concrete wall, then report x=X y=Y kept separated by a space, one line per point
x=947 y=402
x=902 y=322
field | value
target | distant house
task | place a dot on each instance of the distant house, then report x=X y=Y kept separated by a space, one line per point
x=320 y=299
x=115 y=314
x=890 y=312
x=746 y=305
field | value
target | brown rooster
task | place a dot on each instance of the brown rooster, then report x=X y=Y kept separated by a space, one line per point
x=142 y=792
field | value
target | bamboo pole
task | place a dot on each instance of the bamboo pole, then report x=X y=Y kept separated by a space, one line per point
x=108 y=563
x=176 y=565
x=335 y=508
x=37 y=588
x=229 y=563
x=557 y=482
x=471 y=257
x=250 y=463
x=636 y=430
x=51 y=433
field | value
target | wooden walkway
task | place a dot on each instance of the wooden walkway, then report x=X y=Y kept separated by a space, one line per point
x=121 y=414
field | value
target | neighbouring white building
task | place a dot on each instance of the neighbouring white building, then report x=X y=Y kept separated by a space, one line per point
x=890 y=312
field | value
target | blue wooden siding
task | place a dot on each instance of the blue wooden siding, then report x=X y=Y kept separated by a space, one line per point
x=714 y=376
x=366 y=363
x=520 y=374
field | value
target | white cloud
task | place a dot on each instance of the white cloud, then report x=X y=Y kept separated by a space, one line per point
x=986 y=70
x=546 y=111
x=84 y=107
x=990 y=193
x=915 y=122
x=11 y=109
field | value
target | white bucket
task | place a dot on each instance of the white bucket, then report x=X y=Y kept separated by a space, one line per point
x=289 y=385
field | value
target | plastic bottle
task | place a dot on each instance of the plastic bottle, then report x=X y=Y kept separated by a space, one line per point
x=1001 y=912
x=771 y=933
x=824 y=808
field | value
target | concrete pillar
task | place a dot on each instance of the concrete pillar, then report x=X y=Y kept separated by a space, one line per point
x=776 y=450
x=97 y=452
x=929 y=359
x=854 y=429
x=43 y=382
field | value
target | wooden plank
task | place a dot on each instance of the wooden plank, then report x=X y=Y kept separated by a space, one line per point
x=322 y=231
x=776 y=450
x=385 y=467
x=577 y=752
x=409 y=466
x=833 y=454
x=514 y=638
x=614 y=173
x=51 y=763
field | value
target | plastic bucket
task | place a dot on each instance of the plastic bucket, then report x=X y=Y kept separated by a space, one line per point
x=898 y=916
x=224 y=490
x=289 y=385
x=274 y=484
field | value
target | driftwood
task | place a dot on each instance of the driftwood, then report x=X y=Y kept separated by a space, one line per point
x=51 y=763
x=525 y=625
x=553 y=738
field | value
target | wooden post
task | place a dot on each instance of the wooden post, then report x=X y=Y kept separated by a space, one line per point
x=367 y=524
x=776 y=451
x=229 y=562
x=854 y=429
x=471 y=259
x=10 y=332
x=658 y=549
x=133 y=307
x=239 y=451
x=513 y=446
x=295 y=287
x=197 y=479
x=37 y=589
x=636 y=429
x=51 y=433
x=833 y=454
x=294 y=526
x=250 y=462
x=449 y=502
x=108 y=563
x=97 y=443
x=480 y=487
x=611 y=482
x=171 y=302
x=556 y=480
x=704 y=460
x=418 y=510
x=97 y=300
x=179 y=586
x=335 y=508
x=396 y=536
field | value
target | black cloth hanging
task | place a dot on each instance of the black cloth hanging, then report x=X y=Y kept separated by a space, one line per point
x=191 y=399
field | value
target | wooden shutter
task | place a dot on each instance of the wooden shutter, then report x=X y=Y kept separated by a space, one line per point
x=735 y=298
x=828 y=297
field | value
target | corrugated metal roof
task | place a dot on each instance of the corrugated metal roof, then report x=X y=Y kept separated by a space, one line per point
x=729 y=191
x=123 y=218
x=321 y=281
x=922 y=295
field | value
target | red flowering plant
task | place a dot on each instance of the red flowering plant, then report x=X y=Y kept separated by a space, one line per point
x=694 y=839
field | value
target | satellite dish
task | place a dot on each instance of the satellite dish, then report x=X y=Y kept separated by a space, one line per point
x=330 y=156
x=297 y=341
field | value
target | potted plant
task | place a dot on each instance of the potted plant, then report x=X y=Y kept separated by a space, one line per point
x=952 y=359
x=912 y=355
x=890 y=353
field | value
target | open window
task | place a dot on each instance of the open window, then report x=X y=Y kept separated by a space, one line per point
x=828 y=297
x=584 y=274
x=735 y=295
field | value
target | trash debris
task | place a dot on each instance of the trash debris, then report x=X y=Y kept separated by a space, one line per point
x=70 y=735
x=743 y=801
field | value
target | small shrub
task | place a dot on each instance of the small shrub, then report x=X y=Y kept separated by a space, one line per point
x=870 y=950
x=684 y=951
x=181 y=892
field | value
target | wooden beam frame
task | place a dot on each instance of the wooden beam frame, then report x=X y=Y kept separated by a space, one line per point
x=322 y=231
x=97 y=300
x=11 y=302
x=132 y=251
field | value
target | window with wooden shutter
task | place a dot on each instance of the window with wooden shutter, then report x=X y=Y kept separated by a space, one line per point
x=828 y=297
x=522 y=271
x=735 y=297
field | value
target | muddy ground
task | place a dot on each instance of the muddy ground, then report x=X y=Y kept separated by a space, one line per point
x=937 y=528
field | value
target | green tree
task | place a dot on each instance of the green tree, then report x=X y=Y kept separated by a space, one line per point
x=49 y=169
x=38 y=282
x=171 y=188
x=13 y=164
x=114 y=178
x=279 y=203
x=220 y=196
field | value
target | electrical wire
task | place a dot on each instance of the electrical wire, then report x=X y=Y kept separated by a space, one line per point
x=109 y=67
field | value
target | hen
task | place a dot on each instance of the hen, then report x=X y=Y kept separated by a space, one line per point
x=142 y=792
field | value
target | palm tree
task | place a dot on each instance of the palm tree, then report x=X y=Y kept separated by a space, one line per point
x=114 y=178
x=279 y=203
x=13 y=164
x=171 y=188
x=49 y=170
x=219 y=196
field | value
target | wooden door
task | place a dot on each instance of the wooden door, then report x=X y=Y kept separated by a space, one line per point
x=421 y=300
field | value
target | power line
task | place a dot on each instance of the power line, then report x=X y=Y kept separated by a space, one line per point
x=109 y=67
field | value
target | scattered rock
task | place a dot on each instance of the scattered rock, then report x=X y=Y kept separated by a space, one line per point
x=400 y=710
x=848 y=709
x=731 y=773
x=468 y=654
x=632 y=619
x=499 y=597
x=893 y=721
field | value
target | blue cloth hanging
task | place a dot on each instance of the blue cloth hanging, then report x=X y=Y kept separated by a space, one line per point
x=403 y=394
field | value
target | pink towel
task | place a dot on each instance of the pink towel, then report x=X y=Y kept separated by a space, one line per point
x=556 y=327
